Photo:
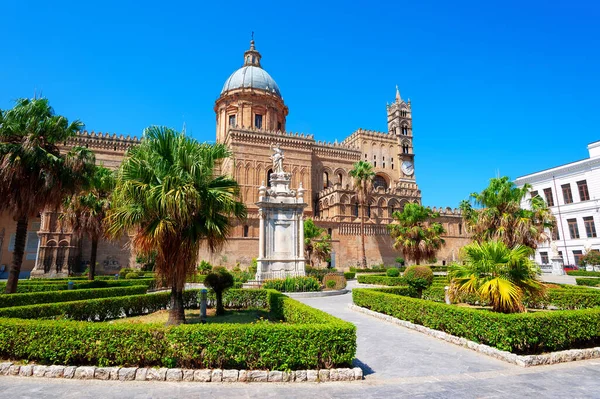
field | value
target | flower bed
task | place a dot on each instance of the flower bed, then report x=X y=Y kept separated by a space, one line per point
x=307 y=337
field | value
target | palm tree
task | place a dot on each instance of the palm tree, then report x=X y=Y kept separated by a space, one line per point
x=498 y=274
x=500 y=216
x=170 y=197
x=85 y=211
x=363 y=175
x=416 y=234
x=34 y=174
x=317 y=244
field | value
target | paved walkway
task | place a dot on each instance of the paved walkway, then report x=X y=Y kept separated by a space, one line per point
x=398 y=363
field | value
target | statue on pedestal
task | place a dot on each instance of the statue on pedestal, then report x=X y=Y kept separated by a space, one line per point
x=277 y=158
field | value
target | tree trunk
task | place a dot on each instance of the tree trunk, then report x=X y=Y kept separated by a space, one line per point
x=15 y=267
x=176 y=313
x=362 y=233
x=220 y=308
x=92 y=269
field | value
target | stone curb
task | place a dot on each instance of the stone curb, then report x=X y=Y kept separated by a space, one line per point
x=176 y=374
x=520 y=360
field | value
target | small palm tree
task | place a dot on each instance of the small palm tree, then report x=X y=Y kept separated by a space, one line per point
x=497 y=274
x=415 y=232
x=86 y=210
x=363 y=175
x=219 y=281
x=317 y=244
x=170 y=197
x=34 y=174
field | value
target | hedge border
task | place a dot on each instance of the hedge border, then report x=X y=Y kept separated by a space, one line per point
x=35 y=298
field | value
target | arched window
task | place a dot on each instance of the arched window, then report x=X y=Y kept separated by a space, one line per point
x=330 y=232
x=405 y=149
x=404 y=130
x=246 y=230
x=379 y=181
x=325 y=179
x=369 y=210
x=355 y=209
x=339 y=176
x=460 y=229
x=269 y=172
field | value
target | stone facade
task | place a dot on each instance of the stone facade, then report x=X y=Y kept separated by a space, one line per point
x=250 y=118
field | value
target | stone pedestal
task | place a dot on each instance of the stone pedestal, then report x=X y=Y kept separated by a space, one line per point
x=557 y=266
x=281 y=235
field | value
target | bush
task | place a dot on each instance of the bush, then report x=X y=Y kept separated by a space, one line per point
x=318 y=273
x=349 y=275
x=381 y=280
x=293 y=284
x=418 y=277
x=589 y=282
x=368 y=270
x=196 y=278
x=219 y=281
x=204 y=267
x=392 y=272
x=309 y=339
x=399 y=260
x=339 y=281
x=583 y=273
x=521 y=333
x=330 y=284
x=33 y=298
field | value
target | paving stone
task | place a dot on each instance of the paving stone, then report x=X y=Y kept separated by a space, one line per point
x=300 y=375
x=69 y=372
x=275 y=376
x=324 y=375
x=230 y=375
x=84 y=373
x=102 y=373
x=358 y=373
x=312 y=375
x=202 y=375
x=140 y=374
x=243 y=376
x=114 y=373
x=127 y=373
x=156 y=374
x=188 y=375
x=174 y=375
x=4 y=367
x=26 y=371
x=216 y=375
x=14 y=369
x=257 y=376
x=39 y=370
x=55 y=372
x=287 y=376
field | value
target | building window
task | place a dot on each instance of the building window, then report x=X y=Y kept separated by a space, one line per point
x=258 y=121
x=549 y=196
x=534 y=194
x=573 y=230
x=325 y=179
x=379 y=181
x=269 y=172
x=460 y=229
x=330 y=232
x=374 y=164
x=279 y=126
x=590 y=227
x=544 y=256
x=231 y=120
x=567 y=195
x=405 y=149
x=555 y=235
x=340 y=180
x=404 y=130
x=246 y=230
x=355 y=210
x=577 y=254
x=584 y=194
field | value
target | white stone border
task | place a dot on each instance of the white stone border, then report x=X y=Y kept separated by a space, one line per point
x=176 y=374
x=520 y=360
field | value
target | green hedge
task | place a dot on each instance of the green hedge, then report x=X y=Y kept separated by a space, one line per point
x=372 y=270
x=35 y=286
x=588 y=282
x=293 y=284
x=381 y=280
x=349 y=275
x=521 y=333
x=34 y=298
x=309 y=339
x=583 y=273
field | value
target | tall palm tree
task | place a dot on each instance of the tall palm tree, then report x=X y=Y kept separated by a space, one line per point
x=85 y=211
x=363 y=175
x=34 y=174
x=498 y=215
x=170 y=198
x=498 y=274
x=415 y=232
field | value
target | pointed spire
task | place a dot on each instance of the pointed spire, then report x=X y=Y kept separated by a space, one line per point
x=398 y=98
x=251 y=56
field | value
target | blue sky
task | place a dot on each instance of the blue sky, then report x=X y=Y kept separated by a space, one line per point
x=505 y=87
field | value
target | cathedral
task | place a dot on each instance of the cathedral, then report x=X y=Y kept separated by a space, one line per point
x=250 y=119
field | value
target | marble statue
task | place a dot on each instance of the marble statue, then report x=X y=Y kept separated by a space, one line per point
x=554 y=248
x=277 y=158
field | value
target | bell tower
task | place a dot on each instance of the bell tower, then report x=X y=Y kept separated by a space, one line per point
x=399 y=116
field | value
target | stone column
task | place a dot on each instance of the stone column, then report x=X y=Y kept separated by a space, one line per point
x=557 y=266
x=261 y=234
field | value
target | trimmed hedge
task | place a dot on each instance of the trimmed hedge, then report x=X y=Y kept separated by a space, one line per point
x=349 y=275
x=583 y=273
x=381 y=280
x=522 y=333
x=34 y=298
x=588 y=282
x=38 y=286
x=367 y=270
x=316 y=340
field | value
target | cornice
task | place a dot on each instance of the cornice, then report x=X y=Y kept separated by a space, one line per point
x=547 y=174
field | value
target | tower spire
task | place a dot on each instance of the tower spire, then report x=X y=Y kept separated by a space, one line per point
x=251 y=56
x=398 y=98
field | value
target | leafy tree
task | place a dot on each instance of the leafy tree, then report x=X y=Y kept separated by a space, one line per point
x=500 y=216
x=415 y=232
x=219 y=281
x=419 y=277
x=34 y=174
x=170 y=198
x=590 y=258
x=317 y=244
x=497 y=274
x=85 y=211
x=363 y=175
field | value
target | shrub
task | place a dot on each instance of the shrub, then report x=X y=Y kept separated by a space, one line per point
x=330 y=284
x=583 y=273
x=589 y=282
x=349 y=275
x=392 y=272
x=521 y=333
x=399 y=260
x=204 y=267
x=339 y=281
x=219 y=281
x=196 y=278
x=318 y=273
x=132 y=275
x=371 y=270
x=418 y=277
x=35 y=286
x=293 y=284
x=381 y=280
x=68 y=295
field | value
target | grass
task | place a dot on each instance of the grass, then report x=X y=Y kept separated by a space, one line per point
x=192 y=316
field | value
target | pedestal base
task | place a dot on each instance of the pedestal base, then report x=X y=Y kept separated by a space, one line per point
x=557 y=266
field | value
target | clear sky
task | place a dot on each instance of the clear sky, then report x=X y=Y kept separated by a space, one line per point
x=508 y=87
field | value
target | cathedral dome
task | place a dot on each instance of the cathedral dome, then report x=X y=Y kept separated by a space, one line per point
x=251 y=76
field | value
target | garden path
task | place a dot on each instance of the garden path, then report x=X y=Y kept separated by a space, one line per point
x=398 y=363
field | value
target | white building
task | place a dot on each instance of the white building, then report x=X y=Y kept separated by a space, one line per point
x=572 y=192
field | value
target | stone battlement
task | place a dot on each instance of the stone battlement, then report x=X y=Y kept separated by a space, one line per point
x=102 y=141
